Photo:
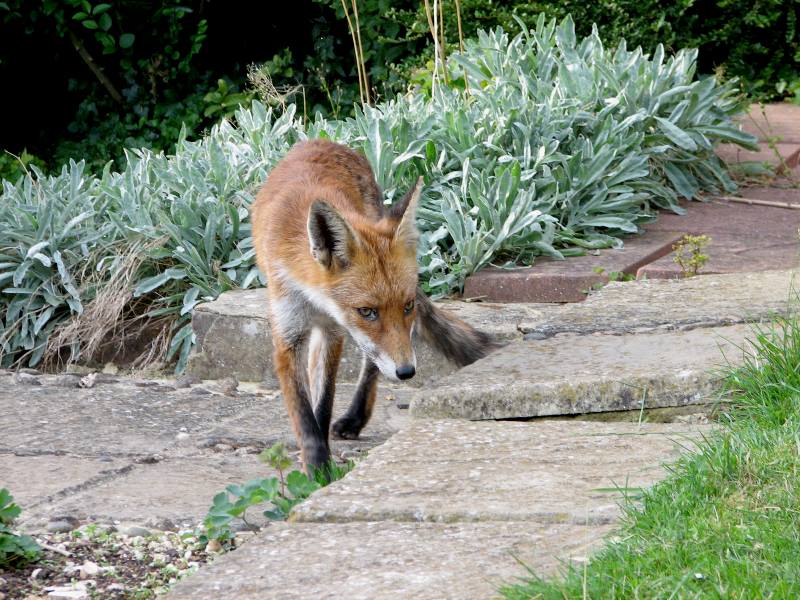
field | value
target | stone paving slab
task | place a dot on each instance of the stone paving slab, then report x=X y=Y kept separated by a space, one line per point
x=139 y=452
x=233 y=339
x=550 y=280
x=618 y=307
x=743 y=237
x=779 y=122
x=386 y=560
x=664 y=305
x=250 y=429
x=107 y=420
x=34 y=478
x=781 y=153
x=177 y=489
x=547 y=472
x=446 y=509
x=574 y=375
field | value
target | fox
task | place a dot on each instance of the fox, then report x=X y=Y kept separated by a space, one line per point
x=339 y=262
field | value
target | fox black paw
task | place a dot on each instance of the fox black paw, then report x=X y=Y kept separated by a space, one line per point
x=347 y=428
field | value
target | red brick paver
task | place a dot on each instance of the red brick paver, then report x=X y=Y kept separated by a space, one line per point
x=550 y=280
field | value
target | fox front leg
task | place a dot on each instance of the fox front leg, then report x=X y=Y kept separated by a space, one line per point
x=349 y=426
x=288 y=361
x=324 y=354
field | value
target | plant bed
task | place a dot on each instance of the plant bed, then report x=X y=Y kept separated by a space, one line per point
x=542 y=144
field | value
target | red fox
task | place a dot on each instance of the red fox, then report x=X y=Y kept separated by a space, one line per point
x=339 y=262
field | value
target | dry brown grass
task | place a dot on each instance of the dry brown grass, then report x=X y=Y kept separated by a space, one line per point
x=261 y=81
x=114 y=324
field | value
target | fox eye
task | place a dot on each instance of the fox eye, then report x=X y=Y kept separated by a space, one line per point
x=408 y=307
x=370 y=314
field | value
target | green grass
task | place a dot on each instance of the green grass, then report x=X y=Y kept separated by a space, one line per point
x=726 y=522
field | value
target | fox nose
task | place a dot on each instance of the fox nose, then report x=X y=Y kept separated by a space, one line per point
x=405 y=371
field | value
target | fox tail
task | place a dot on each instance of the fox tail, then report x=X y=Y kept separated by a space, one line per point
x=458 y=341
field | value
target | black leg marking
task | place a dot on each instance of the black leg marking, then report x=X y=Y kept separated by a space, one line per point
x=349 y=426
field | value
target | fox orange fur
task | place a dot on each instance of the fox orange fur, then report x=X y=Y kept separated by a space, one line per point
x=338 y=262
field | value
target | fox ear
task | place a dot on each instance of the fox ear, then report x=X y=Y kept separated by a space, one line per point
x=406 y=211
x=330 y=236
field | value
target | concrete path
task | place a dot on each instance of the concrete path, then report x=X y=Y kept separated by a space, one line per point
x=446 y=509
x=144 y=453
x=440 y=507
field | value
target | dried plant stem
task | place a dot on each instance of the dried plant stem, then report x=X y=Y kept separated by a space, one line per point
x=262 y=83
x=461 y=43
x=460 y=31
x=442 y=42
x=433 y=24
x=355 y=34
x=361 y=62
x=759 y=202
x=355 y=49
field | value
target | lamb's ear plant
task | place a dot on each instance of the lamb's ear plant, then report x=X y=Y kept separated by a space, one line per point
x=560 y=146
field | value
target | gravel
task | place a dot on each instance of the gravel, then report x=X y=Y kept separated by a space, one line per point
x=98 y=562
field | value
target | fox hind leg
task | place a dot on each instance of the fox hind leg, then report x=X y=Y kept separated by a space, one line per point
x=349 y=426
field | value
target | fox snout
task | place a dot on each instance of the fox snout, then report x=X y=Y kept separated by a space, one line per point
x=406 y=371
x=397 y=369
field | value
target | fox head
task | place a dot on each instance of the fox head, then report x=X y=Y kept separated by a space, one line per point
x=370 y=279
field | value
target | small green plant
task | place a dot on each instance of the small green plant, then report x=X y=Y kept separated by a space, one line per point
x=689 y=254
x=15 y=549
x=283 y=492
x=612 y=276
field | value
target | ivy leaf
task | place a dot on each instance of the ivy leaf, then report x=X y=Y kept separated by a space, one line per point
x=126 y=40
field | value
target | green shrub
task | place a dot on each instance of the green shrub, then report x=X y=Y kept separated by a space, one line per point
x=138 y=78
x=15 y=549
x=560 y=146
x=758 y=42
